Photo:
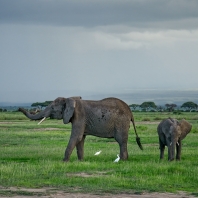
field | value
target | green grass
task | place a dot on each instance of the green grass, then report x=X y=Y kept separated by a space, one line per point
x=31 y=156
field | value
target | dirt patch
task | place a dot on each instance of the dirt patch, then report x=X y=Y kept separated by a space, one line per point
x=48 y=129
x=9 y=122
x=96 y=174
x=55 y=193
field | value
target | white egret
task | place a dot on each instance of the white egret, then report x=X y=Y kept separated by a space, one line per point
x=97 y=153
x=117 y=159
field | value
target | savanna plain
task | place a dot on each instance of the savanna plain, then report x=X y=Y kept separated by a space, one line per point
x=31 y=158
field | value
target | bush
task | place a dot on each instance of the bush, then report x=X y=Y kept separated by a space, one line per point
x=142 y=128
x=152 y=110
x=194 y=130
x=157 y=118
x=146 y=119
x=178 y=112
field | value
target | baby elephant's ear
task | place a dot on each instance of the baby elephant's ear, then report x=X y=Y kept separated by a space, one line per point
x=69 y=110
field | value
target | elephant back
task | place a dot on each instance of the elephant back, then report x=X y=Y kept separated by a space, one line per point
x=106 y=115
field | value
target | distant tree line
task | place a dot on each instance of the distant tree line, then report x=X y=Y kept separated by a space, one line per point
x=145 y=106
x=41 y=105
x=151 y=106
x=3 y=110
x=38 y=106
x=35 y=107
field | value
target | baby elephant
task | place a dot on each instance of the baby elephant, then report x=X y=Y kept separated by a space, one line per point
x=171 y=132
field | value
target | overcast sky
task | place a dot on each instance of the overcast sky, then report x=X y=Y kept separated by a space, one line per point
x=51 y=48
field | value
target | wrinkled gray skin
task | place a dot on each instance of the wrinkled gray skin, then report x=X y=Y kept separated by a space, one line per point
x=171 y=132
x=107 y=118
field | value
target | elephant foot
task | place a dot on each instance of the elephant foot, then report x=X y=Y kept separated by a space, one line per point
x=65 y=160
x=124 y=159
x=80 y=158
x=170 y=160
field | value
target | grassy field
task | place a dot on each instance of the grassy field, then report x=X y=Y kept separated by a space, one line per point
x=31 y=156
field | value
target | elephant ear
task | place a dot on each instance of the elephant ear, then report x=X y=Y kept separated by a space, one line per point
x=185 y=128
x=69 y=110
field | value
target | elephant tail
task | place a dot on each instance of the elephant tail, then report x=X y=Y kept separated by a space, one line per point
x=137 y=138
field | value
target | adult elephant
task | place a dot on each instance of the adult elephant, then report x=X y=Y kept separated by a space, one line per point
x=107 y=118
x=171 y=132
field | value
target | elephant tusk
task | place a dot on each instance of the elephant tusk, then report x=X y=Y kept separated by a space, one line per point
x=41 y=120
x=178 y=143
x=170 y=143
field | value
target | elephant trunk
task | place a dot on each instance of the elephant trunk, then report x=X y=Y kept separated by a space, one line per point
x=38 y=116
x=171 y=151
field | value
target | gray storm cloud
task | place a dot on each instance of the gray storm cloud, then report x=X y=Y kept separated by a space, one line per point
x=63 y=48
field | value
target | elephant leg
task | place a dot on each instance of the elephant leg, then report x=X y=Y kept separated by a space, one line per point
x=80 y=148
x=123 y=151
x=122 y=138
x=70 y=147
x=75 y=138
x=162 y=148
x=178 y=150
